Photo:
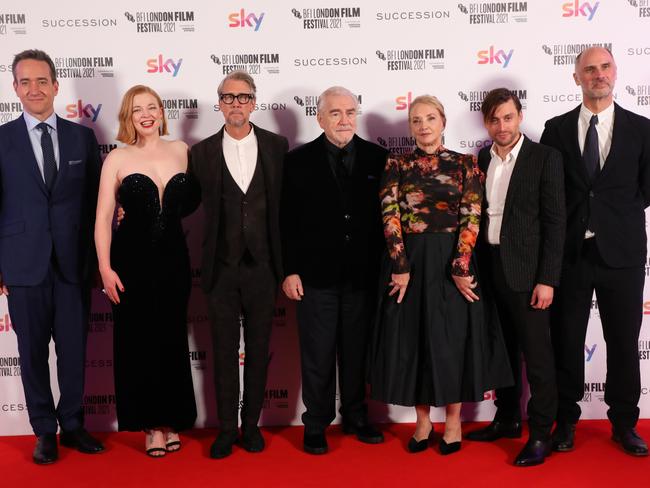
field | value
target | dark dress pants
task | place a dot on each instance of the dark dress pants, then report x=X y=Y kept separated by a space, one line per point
x=333 y=323
x=526 y=330
x=249 y=290
x=619 y=292
x=59 y=310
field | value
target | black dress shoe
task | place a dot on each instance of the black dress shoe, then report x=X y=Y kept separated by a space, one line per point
x=81 y=440
x=631 y=442
x=252 y=439
x=364 y=432
x=45 y=450
x=450 y=448
x=414 y=445
x=534 y=453
x=564 y=436
x=496 y=430
x=222 y=445
x=315 y=443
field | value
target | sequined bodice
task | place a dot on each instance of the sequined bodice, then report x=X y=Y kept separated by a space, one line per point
x=146 y=212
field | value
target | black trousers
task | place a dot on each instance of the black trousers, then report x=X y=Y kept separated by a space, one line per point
x=59 y=310
x=619 y=292
x=249 y=290
x=526 y=330
x=333 y=323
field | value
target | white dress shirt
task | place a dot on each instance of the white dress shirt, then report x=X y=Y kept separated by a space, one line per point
x=35 y=138
x=496 y=187
x=604 y=129
x=241 y=157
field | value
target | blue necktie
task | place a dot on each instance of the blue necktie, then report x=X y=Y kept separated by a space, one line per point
x=49 y=161
x=591 y=152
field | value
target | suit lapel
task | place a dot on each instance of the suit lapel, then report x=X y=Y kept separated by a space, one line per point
x=322 y=166
x=25 y=144
x=66 y=142
x=216 y=158
x=569 y=134
x=359 y=171
x=264 y=156
x=618 y=137
x=517 y=173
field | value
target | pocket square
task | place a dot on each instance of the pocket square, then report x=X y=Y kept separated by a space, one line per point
x=75 y=161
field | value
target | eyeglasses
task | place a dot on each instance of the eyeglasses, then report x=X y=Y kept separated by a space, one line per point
x=228 y=98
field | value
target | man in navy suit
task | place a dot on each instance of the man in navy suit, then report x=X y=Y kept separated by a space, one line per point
x=49 y=174
x=606 y=152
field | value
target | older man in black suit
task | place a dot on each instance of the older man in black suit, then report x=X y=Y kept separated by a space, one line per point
x=606 y=153
x=522 y=236
x=331 y=241
x=240 y=172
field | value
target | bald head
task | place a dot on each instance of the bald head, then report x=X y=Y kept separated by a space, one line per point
x=595 y=74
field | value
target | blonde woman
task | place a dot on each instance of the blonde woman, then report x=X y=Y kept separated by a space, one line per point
x=432 y=345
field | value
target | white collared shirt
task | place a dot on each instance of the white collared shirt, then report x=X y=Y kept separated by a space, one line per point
x=604 y=129
x=496 y=188
x=35 y=138
x=241 y=157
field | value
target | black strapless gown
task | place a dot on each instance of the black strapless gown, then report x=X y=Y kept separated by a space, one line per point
x=153 y=379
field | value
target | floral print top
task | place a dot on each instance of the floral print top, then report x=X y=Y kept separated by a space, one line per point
x=440 y=192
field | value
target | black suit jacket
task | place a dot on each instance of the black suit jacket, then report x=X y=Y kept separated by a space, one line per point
x=33 y=222
x=534 y=218
x=207 y=163
x=312 y=217
x=614 y=202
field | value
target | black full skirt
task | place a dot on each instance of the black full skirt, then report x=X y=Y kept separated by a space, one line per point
x=435 y=348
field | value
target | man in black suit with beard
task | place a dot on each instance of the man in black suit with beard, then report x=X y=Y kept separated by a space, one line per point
x=240 y=172
x=332 y=239
x=522 y=235
x=606 y=153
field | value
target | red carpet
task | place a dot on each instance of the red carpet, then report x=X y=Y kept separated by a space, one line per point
x=596 y=462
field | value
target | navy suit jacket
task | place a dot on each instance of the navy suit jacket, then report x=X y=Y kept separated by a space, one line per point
x=34 y=224
x=614 y=203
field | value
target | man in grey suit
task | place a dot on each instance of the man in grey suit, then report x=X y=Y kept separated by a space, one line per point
x=240 y=171
x=522 y=237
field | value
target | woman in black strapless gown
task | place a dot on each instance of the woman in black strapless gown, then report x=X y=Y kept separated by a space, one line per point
x=147 y=276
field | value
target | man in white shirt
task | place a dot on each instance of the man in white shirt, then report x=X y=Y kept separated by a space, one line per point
x=522 y=236
x=606 y=152
x=240 y=170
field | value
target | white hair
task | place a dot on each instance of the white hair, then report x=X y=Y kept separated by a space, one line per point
x=335 y=90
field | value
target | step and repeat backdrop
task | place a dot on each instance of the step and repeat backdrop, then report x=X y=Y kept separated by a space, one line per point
x=385 y=52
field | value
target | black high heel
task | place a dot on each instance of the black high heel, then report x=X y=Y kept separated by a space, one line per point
x=450 y=448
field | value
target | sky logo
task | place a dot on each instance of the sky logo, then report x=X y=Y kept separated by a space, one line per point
x=403 y=102
x=79 y=111
x=580 y=9
x=492 y=56
x=158 y=65
x=241 y=19
x=589 y=352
